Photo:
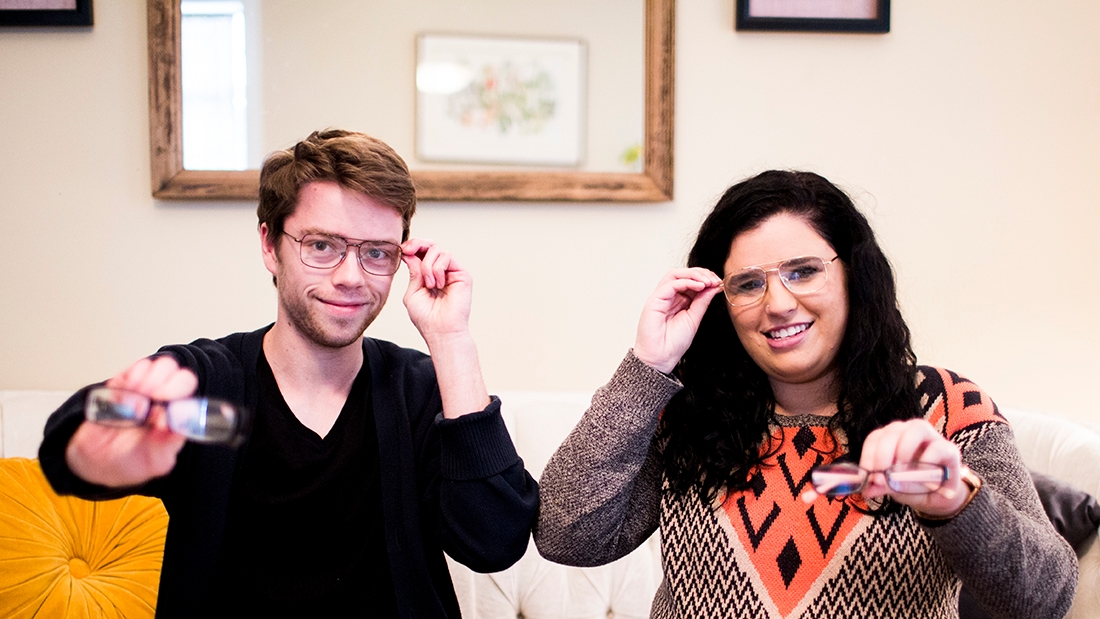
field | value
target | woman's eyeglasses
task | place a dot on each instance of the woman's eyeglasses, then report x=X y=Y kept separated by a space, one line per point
x=844 y=478
x=801 y=275
x=204 y=420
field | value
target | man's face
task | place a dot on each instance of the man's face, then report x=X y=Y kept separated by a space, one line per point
x=330 y=307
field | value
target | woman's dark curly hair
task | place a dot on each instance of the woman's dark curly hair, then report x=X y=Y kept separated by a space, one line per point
x=715 y=431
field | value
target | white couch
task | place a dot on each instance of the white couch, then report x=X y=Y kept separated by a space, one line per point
x=537 y=589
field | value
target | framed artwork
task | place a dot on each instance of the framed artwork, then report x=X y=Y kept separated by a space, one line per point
x=491 y=100
x=814 y=15
x=45 y=12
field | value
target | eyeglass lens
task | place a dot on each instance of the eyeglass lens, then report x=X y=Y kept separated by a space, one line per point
x=115 y=407
x=324 y=252
x=847 y=478
x=800 y=275
x=206 y=420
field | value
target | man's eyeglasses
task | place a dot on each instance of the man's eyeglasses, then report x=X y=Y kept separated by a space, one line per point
x=844 y=478
x=322 y=251
x=801 y=275
x=204 y=420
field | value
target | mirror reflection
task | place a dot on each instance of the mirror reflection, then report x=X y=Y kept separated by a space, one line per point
x=256 y=76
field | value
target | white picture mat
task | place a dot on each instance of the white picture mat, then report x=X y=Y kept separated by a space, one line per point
x=493 y=114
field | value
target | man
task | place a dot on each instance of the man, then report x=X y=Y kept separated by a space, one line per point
x=364 y=461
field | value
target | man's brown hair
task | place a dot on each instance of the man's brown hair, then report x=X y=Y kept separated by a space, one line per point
x=356 y=161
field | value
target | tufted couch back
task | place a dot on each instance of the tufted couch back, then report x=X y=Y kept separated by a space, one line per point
x=537 y=589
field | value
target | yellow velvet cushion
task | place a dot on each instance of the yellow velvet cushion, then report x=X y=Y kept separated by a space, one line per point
x=66 y=557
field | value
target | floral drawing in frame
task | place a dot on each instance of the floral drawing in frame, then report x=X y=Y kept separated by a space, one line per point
x=491 y=100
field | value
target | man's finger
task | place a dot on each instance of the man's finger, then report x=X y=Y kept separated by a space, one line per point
x=181 y=384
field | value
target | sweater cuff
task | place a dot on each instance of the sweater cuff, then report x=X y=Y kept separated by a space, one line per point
x=475 y=446
x=636 y=390
x=60 y=429
x=980 y=514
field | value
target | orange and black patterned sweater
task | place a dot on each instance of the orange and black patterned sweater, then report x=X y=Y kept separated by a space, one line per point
x=762 y=552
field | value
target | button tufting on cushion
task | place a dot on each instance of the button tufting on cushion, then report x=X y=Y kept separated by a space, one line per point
x=78 y=568
x=66 y=557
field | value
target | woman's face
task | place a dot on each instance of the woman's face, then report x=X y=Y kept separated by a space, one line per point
x=793 y=338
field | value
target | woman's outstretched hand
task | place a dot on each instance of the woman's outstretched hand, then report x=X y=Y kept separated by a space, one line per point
x=909 y=442
x=672 y=314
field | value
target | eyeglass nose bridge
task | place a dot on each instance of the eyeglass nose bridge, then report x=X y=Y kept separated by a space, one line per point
x=358 y=256
x=778 y=273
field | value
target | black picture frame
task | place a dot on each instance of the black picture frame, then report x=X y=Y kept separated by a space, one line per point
x=80 y=16
x=880 y=24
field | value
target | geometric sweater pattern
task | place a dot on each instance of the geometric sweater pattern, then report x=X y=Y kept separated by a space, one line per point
x=763 y=553
x=772 y=555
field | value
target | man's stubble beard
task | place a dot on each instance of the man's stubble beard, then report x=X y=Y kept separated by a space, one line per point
x=306 y=323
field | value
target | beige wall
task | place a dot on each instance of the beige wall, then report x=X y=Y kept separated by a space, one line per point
x=970 y=135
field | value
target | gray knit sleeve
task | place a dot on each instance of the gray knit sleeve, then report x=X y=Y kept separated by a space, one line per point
x=1002 y=545
x=600 y=493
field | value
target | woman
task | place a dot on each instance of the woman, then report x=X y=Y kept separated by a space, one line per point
x=739 y=386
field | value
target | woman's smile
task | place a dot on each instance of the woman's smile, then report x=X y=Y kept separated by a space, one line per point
x=784 y=333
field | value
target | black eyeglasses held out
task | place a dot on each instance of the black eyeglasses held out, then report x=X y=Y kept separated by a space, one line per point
x=203 y=420
x=323 y=251
x=801 y=275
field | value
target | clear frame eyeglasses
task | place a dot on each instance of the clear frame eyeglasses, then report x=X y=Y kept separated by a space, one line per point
x=204 y=420
x=844 y=478
x=801 y=275
x=322 y=251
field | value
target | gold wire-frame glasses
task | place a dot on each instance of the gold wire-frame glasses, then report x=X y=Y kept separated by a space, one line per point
x=800 y=275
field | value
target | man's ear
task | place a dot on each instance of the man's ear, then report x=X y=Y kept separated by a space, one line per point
x=267 y=249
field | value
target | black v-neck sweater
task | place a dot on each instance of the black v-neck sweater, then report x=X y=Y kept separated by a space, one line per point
x=448 y=485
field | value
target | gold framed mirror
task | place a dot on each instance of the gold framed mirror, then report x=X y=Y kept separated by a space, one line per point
x=170 y=180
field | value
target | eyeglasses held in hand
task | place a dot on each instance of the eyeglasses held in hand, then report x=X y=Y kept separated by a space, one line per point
x=322 y=251
x=801 y=275
x=844 y=478
x=204 y=420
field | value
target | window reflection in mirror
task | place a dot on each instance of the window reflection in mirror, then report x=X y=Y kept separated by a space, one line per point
x=214 y=70
x=258 y=75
